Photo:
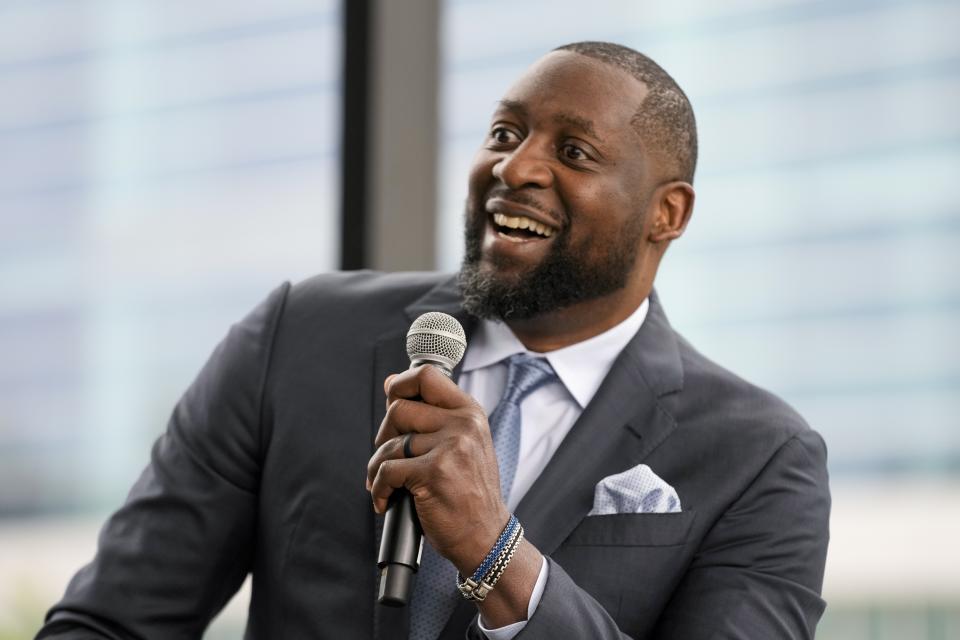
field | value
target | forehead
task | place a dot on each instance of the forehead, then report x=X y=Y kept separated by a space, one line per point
x=568 y=86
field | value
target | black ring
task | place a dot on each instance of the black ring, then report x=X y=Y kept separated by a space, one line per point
x=407 y=450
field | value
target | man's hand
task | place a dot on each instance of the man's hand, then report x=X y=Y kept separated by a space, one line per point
x=454 y=479
x=453 y=475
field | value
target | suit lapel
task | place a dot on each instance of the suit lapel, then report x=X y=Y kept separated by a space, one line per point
x=390 y=356
x=623 y=423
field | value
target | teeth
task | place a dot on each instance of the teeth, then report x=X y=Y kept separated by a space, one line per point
x=522 y=222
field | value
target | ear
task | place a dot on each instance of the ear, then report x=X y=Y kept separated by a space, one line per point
x=672 y=211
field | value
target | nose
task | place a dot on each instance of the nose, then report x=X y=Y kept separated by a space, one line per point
x=528 y=165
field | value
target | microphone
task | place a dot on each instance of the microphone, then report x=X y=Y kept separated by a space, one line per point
x=437 y=339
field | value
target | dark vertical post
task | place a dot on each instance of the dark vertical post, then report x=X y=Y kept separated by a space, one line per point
x=354 y=203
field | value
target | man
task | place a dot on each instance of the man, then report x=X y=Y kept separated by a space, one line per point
x=661 y=496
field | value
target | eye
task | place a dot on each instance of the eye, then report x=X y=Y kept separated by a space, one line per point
x=573 y=152
x=503 y=136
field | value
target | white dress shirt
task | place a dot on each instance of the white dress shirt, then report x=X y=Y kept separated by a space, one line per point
x=549 y=412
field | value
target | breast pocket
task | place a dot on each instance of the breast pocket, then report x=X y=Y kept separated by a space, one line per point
x=633 y=530
x=630 y=562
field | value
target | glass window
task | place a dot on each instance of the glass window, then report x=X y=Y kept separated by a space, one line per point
x=823 y=254
x=163 y=166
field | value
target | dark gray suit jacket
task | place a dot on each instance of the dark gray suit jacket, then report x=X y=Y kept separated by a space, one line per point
x=262 y=470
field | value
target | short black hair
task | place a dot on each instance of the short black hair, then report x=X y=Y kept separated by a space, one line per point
x=664 y=119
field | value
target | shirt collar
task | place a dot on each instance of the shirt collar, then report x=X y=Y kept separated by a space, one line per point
x=581 y=367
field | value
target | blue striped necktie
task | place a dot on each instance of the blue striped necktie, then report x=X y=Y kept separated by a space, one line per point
x=435 y=594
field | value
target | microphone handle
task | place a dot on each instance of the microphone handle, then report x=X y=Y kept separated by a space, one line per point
x=400 y=548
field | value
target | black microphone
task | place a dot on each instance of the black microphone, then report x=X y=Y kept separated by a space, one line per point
x=437 y=339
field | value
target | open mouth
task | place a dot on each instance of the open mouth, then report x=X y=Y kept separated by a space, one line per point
x=520 y=228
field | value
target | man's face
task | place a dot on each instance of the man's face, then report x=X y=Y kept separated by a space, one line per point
x=556 y=207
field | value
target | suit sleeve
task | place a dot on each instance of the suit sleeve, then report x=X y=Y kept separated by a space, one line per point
x=182 y=544
x=758 y=572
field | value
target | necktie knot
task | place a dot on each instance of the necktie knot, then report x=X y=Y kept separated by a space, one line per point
x=525 y=374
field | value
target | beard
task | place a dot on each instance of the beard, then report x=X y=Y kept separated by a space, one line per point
x=567 y=275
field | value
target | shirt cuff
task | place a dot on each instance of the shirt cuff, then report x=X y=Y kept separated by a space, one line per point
x=509 y=631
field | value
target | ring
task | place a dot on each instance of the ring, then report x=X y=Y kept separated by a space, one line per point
x=407 y=449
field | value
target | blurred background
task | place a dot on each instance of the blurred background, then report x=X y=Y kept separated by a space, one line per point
x=164 y=164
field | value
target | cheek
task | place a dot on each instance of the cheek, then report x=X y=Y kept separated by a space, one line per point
x=602 y=219
x=598 y=207
x=481 y=172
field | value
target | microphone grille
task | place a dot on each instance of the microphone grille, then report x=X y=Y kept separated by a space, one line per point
x=437 y=338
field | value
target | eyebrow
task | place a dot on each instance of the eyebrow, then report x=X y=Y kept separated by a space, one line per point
x=584 y=124
x=512 y=105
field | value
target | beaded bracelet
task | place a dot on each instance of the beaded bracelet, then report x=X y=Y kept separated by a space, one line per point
x=482 y=581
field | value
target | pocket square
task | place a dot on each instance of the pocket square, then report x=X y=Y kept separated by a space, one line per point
x=636 y=490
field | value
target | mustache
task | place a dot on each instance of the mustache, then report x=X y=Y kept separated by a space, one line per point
x=526 y=199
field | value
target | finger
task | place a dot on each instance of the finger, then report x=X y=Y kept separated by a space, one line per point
x=429 y=384
x=386 y=386
x=386 y=381
x=392 y=449
x=410 y=416
x=392 y=475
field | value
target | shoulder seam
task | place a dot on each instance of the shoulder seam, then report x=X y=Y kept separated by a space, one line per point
x=766 y=465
